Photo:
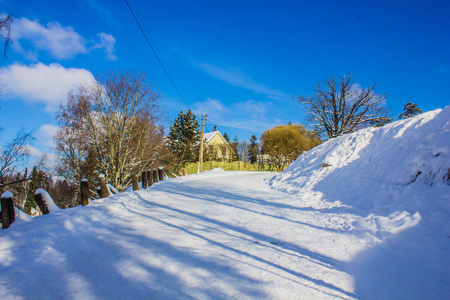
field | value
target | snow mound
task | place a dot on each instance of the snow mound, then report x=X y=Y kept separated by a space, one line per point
x=374 y=167
x=391 y=183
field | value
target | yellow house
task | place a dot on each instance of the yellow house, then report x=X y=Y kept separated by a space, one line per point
x=216 y=147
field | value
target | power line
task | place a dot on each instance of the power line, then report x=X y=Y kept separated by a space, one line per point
x=231 y=125
x=156 y=55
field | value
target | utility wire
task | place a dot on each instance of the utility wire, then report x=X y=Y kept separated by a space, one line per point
x=230 y=125
x=156 y=55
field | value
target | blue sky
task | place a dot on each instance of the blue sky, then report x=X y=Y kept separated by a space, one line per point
x=239 y=62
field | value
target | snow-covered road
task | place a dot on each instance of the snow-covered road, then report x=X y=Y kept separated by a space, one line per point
x=213 y=235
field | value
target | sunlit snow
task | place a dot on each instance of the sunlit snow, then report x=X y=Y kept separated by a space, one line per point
x=361 y=216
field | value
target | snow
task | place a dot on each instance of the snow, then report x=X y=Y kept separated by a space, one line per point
x=22 y=215
x=52 y=207
x=7 y=195
x=112 y=189
x=366 y=226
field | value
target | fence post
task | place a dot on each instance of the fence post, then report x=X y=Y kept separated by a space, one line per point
x=161 y=174
x=155 y=176
x=7 y=213
x=134 y=181
x=84 y=192
x=149 y=178
x=144 y=179
x=41 y=204
x=103 y=188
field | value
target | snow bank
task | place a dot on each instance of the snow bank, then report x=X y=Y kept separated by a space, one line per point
x=394 y=182
x=372 y=168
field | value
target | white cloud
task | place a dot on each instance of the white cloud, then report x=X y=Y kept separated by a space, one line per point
x=41 y=83
x=249 y=115
x=37 y=157
x=107 y=42
x=60 y=42
x=47 y=133
x=252 y=108
x=34 y=152
x=237 y=78
x=212 y=107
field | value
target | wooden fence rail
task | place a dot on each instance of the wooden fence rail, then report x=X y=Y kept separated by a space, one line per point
x=46 y=204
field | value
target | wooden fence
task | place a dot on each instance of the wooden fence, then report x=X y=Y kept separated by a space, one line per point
x=46 y=204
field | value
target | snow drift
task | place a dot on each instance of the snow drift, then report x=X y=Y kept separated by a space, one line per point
x=373 y=168
x=397 y=178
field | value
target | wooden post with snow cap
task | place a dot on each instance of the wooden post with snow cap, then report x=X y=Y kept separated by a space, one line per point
x=161 y=173
x=155 y=176
x=7 y=214
x=104 y=189
x=47 y=200
x=150 y=178
x=40 y=202
x=144 y=179
x=84 y=192
x=134 y=181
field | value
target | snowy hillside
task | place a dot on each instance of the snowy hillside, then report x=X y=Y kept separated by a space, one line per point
x=397 y=177
x=364 y=216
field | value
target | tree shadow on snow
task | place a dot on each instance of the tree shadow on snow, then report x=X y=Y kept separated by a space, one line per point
x=90 y=259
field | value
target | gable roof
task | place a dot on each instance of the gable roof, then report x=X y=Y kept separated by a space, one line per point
x=208 y=136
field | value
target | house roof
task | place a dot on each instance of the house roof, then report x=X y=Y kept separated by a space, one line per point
x=208 y=136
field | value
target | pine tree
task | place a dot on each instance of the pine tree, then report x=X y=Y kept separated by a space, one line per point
x=184 y=137
x=234 y=145
x=225 y=136
x=253 y=150
x=37 y=179
x=409 y=110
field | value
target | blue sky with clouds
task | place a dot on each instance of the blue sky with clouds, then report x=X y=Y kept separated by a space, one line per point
x=239 y=62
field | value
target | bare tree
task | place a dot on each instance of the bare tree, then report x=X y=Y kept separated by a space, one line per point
x=111 y=127
x=14 y=152
x=5 y=30
x=341 y=106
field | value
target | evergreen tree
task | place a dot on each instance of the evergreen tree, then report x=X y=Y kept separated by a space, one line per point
x=184 y=137
x=36 y=180
x=234 y=145
x=253 y=150
x=225 y=136
x=409 y=110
